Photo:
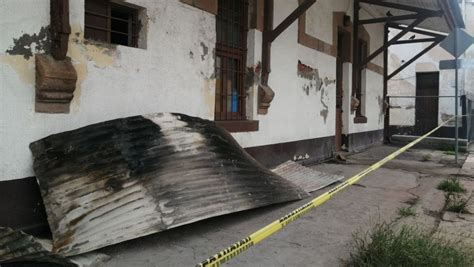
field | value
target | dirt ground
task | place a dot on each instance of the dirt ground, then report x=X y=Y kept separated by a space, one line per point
x=323 y=236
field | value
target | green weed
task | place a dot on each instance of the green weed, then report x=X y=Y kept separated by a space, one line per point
x=451 y=185
x=409 y=246
x=455 y=202
x=406 y=211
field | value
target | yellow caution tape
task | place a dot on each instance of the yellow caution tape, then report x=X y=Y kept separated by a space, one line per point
x=258 y=236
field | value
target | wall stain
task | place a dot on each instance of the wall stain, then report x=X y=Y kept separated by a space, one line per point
x=205 y=51
x=324 y=112
x=310 y=74
x=327 y=81
x=209 y=96
x=381 y=107
x=252 y=75
x=446 y=116
x=83 y=51
x=23 y=68
x=27 y=44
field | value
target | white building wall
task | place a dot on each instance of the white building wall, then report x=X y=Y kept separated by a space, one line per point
x=175 y=72
x=295 y=115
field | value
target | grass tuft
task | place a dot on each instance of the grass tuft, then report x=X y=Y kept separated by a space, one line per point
x=409 y=246
x=449 y=152
x=451 y=185
x=456 y=202
x=406 y=211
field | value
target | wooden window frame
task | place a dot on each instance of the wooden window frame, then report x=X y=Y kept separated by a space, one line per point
x=133 y=23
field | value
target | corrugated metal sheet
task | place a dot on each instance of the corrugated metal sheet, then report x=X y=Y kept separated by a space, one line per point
x=122 y=179
x=308 y=179
x=18 y=246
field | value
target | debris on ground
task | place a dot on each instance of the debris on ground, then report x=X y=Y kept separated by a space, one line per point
x=126 y=178
x=308 y=179
x=17 y=246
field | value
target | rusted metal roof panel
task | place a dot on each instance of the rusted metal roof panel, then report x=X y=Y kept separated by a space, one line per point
x=308 y=179
x=18 y=246
x=122 y=179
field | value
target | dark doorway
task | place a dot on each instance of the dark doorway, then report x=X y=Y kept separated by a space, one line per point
x=426 y=108
x=343 y=39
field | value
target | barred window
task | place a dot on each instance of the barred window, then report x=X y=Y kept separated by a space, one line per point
x=111 y=23
x=231 y=53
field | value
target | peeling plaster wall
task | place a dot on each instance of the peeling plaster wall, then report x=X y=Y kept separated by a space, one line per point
x=113 y=81
x=175 y=73
x=304 y=107
x=319 y=20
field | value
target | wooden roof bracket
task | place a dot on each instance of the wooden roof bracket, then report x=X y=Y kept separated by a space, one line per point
x=265 y=93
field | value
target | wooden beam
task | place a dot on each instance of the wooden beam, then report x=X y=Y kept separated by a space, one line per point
x=424 y=51
x=355 y=47
x=267 y=39
x=421 y=40
x=291 y=18
x=397 y=18
x=393 y=40
x=419 y=31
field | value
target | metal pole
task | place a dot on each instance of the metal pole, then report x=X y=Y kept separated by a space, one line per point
x=386 y=123
x=456 y=132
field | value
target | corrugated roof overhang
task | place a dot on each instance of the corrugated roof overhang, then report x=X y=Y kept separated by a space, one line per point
x=450 y=9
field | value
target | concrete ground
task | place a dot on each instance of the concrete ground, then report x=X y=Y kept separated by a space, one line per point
x=323 y=236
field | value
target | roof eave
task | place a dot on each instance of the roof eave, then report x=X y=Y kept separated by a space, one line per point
x=452 y=13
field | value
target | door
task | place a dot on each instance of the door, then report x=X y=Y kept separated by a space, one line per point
x=343 y=40
x=426 y=106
